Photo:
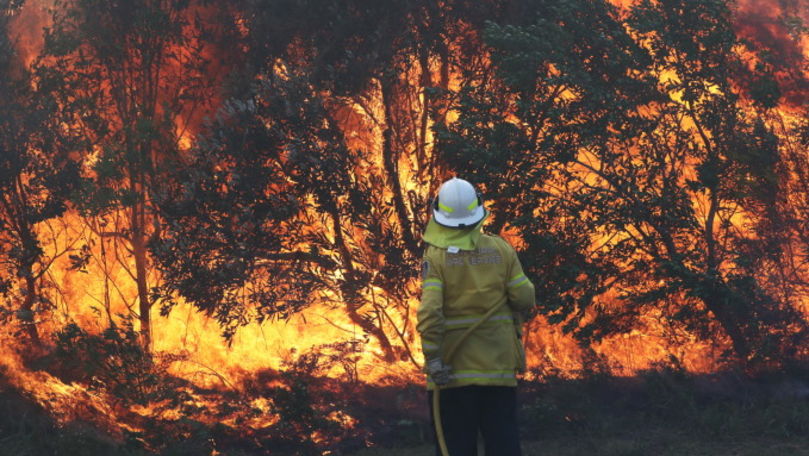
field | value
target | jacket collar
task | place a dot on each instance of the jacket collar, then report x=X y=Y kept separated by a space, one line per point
x=443 y=237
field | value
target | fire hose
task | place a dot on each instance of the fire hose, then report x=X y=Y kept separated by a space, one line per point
x=439 y=428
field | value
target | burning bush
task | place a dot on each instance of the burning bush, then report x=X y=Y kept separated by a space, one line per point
x=114 y=361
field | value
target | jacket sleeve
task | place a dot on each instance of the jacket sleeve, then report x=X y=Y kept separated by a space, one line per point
x=431 y=313
x=521 y=297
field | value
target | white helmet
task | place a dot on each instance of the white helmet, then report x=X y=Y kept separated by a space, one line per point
x=458 y=205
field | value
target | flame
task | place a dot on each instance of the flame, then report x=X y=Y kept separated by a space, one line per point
x=766 y=25
x=99 y=292
x=26 y=29
x=66 y=402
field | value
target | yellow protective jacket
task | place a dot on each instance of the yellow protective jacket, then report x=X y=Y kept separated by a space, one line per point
x=466 y=273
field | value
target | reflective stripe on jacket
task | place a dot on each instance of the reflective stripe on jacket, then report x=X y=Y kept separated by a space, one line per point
x=457 y=290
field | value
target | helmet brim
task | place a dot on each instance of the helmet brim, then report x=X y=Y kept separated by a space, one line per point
x=466 y=222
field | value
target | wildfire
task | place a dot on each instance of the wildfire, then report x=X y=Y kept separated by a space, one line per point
x=97 y=292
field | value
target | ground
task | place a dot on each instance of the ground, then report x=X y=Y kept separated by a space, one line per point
x=658 y=413
x=658 y=445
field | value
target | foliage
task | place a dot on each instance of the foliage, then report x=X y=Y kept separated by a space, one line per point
x=37 y=175
x=637 y=172
x=133 y=77
x=643 y=179
x=305 y=413
x=563 y=84
x=662 y=411
x=234 y=216
x=113 y=361
x=310 y=413
x=311 y=183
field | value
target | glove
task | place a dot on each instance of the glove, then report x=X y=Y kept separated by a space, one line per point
x=439 y=372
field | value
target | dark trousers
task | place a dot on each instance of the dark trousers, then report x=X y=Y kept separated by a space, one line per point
x=465 y=410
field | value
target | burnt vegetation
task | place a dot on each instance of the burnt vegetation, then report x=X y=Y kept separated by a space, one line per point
x=248 y=160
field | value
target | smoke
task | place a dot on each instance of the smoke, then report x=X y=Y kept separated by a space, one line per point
x=778 y=30
x=27 y=29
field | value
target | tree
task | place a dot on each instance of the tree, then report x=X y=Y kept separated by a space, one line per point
x=638 y=153
x=564 y=80
x=37 y=174
x=135 y=78
x=335 y=134
x=232 y=241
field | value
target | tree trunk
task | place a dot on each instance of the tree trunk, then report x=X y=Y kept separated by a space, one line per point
x=391 y=163
x=352 y=307
x=714 y=294
x=27 y=310
x=138 y=241
x=145 y=304
x=32 y=255
x=715 y=299
x=421 y=138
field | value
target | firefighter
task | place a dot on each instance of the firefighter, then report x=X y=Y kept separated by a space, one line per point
x=465 y=274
